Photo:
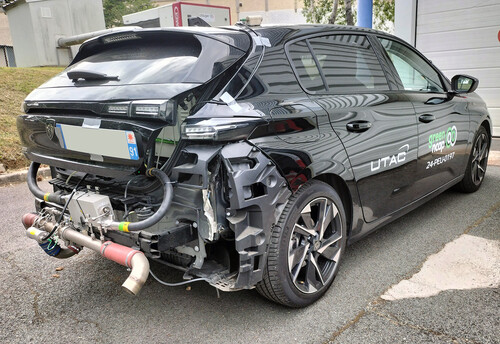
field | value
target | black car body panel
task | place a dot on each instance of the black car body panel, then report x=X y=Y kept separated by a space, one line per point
x=285 y=106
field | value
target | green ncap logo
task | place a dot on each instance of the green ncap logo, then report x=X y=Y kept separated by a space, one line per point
x=451 y=136
x=446 y=138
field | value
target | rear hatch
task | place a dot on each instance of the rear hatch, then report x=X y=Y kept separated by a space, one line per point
x=122 y=93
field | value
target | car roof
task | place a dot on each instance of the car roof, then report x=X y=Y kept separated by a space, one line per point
x=277 y=34
x=296 y=31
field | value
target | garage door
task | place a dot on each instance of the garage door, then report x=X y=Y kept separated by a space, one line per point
x=463 y=37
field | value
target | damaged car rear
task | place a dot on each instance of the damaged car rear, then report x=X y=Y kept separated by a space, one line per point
x=132 y=178
x=245 y=157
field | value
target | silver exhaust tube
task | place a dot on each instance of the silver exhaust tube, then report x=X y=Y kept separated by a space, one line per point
x=123 y=255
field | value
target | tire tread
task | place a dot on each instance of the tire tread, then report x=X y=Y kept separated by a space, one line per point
x=270 y=286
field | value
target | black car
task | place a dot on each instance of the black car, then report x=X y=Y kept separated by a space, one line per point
x=245 y=157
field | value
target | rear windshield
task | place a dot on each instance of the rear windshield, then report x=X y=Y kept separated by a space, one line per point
x=157 y=58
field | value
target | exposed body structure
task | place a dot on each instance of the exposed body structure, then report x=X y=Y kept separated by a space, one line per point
x=247 y=158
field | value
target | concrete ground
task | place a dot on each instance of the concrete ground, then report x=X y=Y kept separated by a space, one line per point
x=84 y=303
x=495 y=144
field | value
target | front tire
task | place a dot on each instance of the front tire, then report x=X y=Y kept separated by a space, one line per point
x=478 y=161
x=306 y=247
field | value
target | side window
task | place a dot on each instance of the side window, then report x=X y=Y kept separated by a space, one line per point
x=349 y=63
x=415 y=73
x=306 y=67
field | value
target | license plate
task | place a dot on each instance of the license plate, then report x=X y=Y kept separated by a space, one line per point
x=97 y=141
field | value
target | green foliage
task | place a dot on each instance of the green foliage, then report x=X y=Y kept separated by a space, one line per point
x=115 y=9
x=15 y=85
x=383 y=15
x=319 y=11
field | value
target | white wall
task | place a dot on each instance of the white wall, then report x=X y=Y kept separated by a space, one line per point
x=36 y=26
x=404 y=20
x=278 y=16
x=461 y=37
x=22 y=37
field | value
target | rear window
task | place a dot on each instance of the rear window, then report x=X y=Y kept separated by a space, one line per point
x=157 y=58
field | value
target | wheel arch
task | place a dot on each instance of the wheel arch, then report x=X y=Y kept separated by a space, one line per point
x=341 y=187
x=487 y=125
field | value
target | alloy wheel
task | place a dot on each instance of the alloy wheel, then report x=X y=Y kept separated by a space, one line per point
x=479 y=159
x=315 y=245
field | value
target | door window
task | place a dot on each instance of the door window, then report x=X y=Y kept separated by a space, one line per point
x=338 y=64
x=306 y=67
x=349 y=63
x=415 y=73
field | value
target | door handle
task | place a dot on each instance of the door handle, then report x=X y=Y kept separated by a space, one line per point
x=426 y=118
x=358 y=126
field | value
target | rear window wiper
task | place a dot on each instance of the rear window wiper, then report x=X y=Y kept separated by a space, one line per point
x=74 y=75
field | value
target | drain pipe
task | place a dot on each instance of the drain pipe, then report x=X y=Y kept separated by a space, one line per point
x=123 y=255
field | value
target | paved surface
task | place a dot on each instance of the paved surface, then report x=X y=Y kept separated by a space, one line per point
x=495 y=144
x=85 y=304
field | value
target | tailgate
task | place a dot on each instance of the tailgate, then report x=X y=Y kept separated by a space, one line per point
x=106 y=147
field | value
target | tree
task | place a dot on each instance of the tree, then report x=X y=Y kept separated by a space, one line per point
x=115 y=9
x=343 y=12
x=383 y=15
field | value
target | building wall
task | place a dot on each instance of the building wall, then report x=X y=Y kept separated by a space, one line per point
x=23 y=38
x=5 y=38
x=36 y=26
x=460 y=37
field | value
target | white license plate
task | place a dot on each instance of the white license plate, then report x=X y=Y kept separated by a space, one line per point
x=98 y=142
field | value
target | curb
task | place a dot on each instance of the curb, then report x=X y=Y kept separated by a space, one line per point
x=20 y=177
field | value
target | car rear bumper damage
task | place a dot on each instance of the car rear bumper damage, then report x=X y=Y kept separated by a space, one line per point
x=224 y=200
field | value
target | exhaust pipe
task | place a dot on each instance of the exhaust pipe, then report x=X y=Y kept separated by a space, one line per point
x=123 y=255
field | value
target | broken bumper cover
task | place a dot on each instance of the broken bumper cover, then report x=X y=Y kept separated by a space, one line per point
x=233 y=188
x=258 y=194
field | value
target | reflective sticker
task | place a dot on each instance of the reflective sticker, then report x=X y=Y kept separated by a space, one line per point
x=46 y=197
x=91 y=123
x=231 y=102
x=259 y=40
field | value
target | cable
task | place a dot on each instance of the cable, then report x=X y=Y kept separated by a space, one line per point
x=65 y=207
x=125 y=196
x=179 y=283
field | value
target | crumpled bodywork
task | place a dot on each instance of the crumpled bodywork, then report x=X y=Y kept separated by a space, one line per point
x=257 y=194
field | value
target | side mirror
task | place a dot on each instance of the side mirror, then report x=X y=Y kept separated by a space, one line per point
x=464 y=83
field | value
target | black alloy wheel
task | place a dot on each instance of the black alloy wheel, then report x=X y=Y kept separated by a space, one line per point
x=478 y=161
x=306 y=247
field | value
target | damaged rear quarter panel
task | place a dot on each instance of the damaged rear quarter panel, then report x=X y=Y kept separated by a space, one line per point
x=257 y=193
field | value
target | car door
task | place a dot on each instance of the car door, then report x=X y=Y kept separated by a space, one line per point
x=443 y=119
x=376 y=124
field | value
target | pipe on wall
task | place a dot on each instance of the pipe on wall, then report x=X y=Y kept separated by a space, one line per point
x=365 y=13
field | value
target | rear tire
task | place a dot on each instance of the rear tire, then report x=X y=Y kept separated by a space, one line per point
x=305 y=247
x=477 y=163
